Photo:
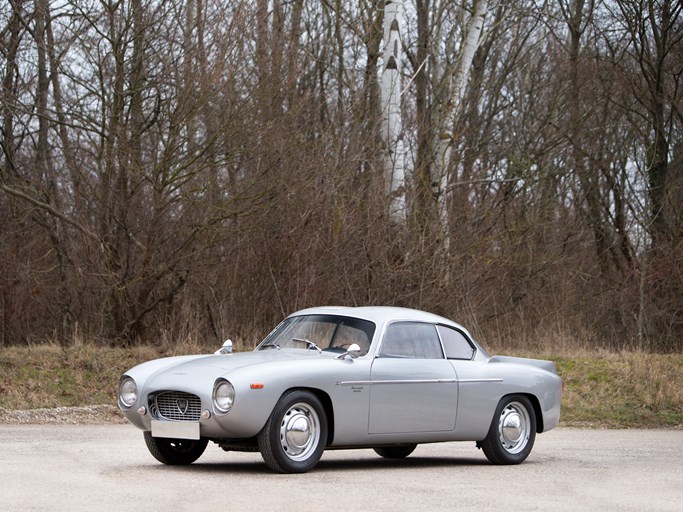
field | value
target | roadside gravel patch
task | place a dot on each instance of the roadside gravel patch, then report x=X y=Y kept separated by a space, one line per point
x=89 y=415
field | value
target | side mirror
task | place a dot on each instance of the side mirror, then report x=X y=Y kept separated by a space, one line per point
x=353 y=351
x=226 y=348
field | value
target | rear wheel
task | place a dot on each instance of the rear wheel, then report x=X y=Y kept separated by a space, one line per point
x=395 y=452
x=294 y=437
x=175 y=452
x=512 y=432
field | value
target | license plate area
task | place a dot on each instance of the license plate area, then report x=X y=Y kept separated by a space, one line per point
x=175 y=429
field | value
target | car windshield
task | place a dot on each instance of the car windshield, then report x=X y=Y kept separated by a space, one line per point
x=324 y=332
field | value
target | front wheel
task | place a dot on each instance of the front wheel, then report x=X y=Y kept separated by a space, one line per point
x=294 y=437
x=175 y=452
x=512 y=432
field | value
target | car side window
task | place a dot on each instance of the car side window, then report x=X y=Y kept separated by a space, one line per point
x=455 y=343
x=411 y=340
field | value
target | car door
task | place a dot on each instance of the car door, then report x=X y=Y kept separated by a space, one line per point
x=413 y=387
x=480 y=385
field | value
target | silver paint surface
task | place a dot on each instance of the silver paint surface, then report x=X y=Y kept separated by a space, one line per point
x=374 y=400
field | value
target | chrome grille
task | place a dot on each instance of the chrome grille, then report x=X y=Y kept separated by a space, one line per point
x=177 y=406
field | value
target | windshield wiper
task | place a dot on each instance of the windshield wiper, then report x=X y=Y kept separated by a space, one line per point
x=309 y=343
x=270 y=344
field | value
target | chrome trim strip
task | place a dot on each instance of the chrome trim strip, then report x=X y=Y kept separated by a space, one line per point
x=467 y=381
x=418 y=381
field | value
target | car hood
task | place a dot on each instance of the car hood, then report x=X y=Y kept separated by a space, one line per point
x=187 y=373
x=227 y=362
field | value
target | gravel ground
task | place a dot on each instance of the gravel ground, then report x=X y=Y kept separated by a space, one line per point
x=89 y=415
x=102 y=468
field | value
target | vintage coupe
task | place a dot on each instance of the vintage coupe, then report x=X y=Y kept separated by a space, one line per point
x=331 y=377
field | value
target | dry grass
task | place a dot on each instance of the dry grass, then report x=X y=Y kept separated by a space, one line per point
x=623 y=390
x=601 y=390
x=83 y=374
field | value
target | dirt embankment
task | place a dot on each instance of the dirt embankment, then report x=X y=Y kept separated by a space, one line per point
x=89 y=415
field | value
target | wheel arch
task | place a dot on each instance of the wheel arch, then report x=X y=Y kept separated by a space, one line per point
x=327 y=405
x=537 y=409
x=535 y=403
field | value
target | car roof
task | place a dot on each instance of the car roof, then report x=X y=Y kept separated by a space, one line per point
x=381 y=314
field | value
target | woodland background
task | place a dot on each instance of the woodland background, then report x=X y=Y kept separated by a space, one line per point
x=198 y=169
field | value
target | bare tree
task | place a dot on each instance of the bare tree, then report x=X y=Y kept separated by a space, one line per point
x=652 y=30
x=198 y=168
x=392 y=125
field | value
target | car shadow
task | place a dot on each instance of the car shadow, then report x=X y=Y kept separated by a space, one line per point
x=410 y=462
x=257 y=466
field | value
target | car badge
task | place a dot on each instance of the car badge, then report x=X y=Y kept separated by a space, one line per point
x=182 y=405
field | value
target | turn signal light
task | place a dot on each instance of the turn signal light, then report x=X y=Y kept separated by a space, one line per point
x=257 y=385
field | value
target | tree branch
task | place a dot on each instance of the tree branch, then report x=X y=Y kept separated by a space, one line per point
x=49 y=209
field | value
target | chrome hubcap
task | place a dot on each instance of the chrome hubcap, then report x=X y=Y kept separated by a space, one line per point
x=514 y=427
x=299 y=431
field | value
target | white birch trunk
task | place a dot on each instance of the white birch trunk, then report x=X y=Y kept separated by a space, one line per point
x=461 y=75
x=392 y=126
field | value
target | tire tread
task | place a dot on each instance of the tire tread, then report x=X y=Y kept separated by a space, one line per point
x=395 y=452
x=166 y=455
x=268 y=441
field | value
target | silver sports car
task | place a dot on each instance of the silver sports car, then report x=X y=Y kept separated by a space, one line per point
x=331 y=377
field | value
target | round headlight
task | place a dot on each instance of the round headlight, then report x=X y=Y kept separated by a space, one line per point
x=223 y=395
x=128 y=392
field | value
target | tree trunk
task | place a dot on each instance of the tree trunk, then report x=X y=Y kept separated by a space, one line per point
x=9 y=91
x=392 y=126
x=422 y=204
x=446 y=139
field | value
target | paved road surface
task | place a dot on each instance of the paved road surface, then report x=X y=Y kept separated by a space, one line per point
x=107 y=467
